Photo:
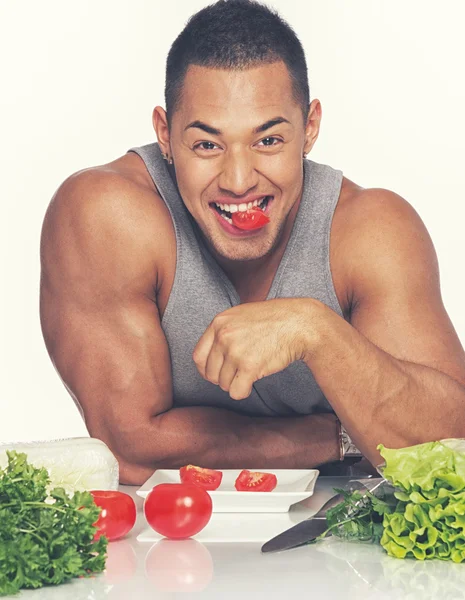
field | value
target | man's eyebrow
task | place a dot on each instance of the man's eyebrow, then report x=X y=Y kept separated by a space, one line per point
x=203 y=127
x=270 y=123
x=213 y=131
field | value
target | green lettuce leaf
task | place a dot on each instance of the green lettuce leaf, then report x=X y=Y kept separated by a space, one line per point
x=429 y=519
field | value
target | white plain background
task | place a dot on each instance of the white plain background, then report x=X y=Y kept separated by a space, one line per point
x=79 y=81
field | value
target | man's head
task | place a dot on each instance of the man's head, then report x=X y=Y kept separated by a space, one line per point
x=238 y=121
x=235 y=35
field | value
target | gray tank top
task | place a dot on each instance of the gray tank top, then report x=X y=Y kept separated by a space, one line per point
x=201 y=290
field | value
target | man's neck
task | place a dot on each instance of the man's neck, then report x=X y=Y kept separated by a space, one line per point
x=252 y=279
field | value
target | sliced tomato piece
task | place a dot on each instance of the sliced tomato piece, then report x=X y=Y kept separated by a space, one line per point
x=208 y=479
x=254 y=218
x=255 y=481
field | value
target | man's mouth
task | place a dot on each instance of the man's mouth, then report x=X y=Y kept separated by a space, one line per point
x=227 y=210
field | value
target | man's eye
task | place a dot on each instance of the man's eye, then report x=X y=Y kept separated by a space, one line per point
x=205 y=146
x=270 y=141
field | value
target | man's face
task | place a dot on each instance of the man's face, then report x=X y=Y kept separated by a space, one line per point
x=238 y=137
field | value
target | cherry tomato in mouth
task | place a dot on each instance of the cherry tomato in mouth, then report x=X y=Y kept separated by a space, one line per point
x=208 y=479
x=255 y=481
x=178 y=510
x=118 y=514
x=253 y=218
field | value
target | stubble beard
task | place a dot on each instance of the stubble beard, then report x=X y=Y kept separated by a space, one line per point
x=243 y=249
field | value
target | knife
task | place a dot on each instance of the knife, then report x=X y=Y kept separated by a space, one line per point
x=307 y=531
x=304 y=532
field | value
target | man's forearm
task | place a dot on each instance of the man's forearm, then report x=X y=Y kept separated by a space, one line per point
x=218 y=438
x=379 y=398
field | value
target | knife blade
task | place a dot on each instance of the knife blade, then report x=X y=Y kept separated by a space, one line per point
x=304 y=532
x=307 y=531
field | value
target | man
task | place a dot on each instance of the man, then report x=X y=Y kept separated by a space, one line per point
x=218 y=299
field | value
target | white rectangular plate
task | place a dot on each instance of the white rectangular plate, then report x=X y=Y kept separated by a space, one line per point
x=293 y=486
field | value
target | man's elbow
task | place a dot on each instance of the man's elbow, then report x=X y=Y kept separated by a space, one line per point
x=138 y=449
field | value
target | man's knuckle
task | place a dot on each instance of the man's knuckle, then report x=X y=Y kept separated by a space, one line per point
x=223 y=335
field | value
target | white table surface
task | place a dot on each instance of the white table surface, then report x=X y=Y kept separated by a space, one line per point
x=330 y=569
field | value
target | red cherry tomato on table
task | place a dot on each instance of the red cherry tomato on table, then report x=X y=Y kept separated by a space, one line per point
x=250 y=481
x=118 y=514
x=177 y=510
x=254 y=218
x=208 y=479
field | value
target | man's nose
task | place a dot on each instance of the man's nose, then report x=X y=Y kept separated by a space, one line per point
x=238 y=173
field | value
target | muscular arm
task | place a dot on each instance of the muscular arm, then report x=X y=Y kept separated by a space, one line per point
x=102 y=246
x=396 y=374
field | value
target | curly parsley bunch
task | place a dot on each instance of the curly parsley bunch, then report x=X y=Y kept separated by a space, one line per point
x=44 y=538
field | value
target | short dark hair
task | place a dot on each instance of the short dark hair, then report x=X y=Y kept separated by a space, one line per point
x=235 y=34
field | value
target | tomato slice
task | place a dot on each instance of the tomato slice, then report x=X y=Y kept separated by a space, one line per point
x=208 y=479
x=255 y=481
x=118 y=514
x=254 y=218
x=178 y=510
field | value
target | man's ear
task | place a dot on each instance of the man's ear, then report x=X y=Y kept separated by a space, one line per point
x=160 y=125
x=312 y=128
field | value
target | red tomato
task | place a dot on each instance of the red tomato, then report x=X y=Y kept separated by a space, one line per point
x=249 y=481
x=208 y=479
x=118 y=514
x=177 y=510
x=254 y=218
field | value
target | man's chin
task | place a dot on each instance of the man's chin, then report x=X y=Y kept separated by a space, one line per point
x=242 y=251
x=239 y=250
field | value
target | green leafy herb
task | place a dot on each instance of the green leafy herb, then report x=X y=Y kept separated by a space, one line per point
x=44 y=538
x=360 y=515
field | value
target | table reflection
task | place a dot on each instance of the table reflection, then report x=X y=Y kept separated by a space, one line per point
x=368 y=566
x=121 y=563
x=179 y=566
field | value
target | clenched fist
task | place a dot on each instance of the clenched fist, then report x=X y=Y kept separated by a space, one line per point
x=253 y=340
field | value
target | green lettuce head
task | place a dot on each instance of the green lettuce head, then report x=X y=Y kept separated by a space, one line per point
x=429 y=520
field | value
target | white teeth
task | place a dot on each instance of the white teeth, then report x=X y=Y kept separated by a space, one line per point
x=228 y=219
x=232 y=208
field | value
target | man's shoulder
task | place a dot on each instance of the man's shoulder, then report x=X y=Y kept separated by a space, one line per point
x=362 y=213
x=114 y=195
x=376 y=231
x=118 y=183
x=111 y=211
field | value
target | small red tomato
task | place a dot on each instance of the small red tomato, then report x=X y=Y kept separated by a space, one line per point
x=255 y=481
x=118 y=514
x=208 y=479
x=177 y=510
x=254 y=218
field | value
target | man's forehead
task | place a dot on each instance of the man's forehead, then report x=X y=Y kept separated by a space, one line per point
x=262 y=89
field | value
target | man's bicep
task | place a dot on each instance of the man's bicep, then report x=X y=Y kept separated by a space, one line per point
x=115 y=361
x=98 y=312
x=397 y=298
